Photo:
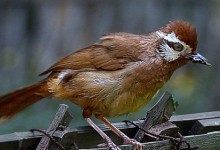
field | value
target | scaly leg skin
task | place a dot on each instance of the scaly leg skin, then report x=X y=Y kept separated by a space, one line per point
x=103 y=135
x=137 y=145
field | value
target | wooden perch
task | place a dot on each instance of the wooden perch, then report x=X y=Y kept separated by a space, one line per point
x=205 y=125
x=159 y=113
x=166 y=128
x=85 y=137
x=61 y=119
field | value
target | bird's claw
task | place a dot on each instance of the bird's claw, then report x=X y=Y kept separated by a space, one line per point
x=111 y=145
x=136 y=145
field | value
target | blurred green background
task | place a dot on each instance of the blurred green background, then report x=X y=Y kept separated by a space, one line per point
x=35 y=34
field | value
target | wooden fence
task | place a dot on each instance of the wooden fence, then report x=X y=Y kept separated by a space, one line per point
x=183 y=132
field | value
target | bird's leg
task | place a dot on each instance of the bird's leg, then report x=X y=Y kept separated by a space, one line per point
x=137 y=145
x=103 y=135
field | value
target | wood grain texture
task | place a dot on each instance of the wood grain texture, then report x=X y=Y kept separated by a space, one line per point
x=62 y=118
x=86 y=137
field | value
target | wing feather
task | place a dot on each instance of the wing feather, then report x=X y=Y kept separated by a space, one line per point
x=113 y=52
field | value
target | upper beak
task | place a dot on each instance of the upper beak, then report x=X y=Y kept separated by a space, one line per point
x=198 y=58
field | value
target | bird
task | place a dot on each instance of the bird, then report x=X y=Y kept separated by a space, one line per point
x=118 y=75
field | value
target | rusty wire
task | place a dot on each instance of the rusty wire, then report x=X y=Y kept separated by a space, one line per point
x=50 y=137
x=177 y=144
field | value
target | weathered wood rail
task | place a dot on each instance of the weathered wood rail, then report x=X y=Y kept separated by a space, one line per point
x=201 y=131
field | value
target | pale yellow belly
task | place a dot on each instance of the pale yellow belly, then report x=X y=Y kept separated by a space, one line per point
x=125 y=103
x=105 y=95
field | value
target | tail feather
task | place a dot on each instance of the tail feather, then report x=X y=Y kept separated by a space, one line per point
x=14 y=102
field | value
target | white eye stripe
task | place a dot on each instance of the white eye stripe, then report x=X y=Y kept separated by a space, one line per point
x=167 y=52
x=170 y=37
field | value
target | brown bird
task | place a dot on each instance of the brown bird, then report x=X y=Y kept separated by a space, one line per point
x=118 y=75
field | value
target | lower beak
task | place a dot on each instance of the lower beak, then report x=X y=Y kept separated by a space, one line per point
x=198 y=58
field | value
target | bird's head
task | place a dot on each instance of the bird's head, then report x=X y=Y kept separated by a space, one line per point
x=178 y=41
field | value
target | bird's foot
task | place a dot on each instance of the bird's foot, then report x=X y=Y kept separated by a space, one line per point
x=137 y=145
x=112 y=146
x=109 y=144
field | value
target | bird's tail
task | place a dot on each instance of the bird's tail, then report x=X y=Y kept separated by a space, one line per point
x=14 y=102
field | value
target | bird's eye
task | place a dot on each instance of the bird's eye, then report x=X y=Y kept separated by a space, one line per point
x=177 y=47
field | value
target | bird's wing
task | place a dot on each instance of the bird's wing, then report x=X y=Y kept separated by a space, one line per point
x=113 y=52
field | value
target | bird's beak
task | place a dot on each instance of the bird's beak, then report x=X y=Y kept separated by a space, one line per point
x=198 y=58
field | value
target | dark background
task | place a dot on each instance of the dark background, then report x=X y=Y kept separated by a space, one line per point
x=34 y=34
